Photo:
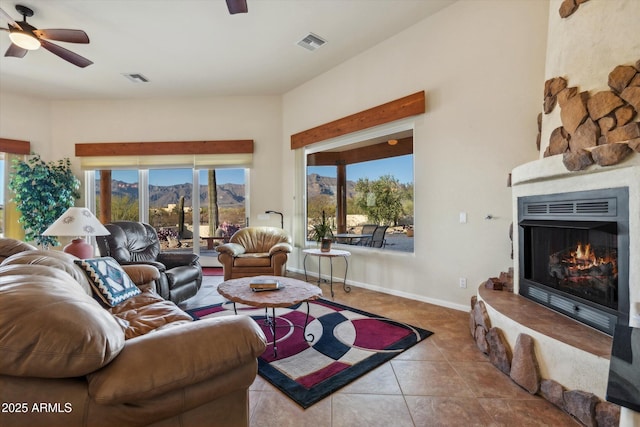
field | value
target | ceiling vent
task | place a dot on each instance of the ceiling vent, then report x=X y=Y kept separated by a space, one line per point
x=136 y=77
x=312 y=42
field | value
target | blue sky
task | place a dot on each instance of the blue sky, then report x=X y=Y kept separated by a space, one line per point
x=400 y=167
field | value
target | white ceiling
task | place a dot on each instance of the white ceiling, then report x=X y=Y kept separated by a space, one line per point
x=195 y=47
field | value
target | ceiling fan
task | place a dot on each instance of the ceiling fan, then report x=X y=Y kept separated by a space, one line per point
x=237 y=6
x=25 y=37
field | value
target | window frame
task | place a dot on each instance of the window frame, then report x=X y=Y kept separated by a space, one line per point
x=395 y=127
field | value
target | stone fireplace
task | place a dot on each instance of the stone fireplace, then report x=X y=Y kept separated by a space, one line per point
x=614 y=221
x=590 y=260
x=574 y=254
x=546 y=182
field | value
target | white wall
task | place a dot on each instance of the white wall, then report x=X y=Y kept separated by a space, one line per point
x=481 y=64
x=26 y=119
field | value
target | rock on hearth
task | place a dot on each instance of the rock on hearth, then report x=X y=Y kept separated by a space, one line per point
x=577 y=161
x=499 y=351
x=574 y=112
x=481 y=316
x=472 y=324
x=553 y=391
x=602 y=103
x=586 y=136
x=610 y=154
x=632 y=96
x=581 y=405
x=607 y=414
x=621 y=76
x=524 y=366
x=481 y=339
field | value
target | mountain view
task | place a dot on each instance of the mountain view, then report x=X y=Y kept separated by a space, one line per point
x=229 y=195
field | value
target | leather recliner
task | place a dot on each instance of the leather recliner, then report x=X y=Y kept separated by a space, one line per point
x=254 y=251
x=133 y=242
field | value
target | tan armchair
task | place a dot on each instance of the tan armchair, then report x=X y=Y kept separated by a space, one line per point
x=254 y=251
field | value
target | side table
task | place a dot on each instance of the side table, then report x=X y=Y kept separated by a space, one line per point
x=333 y=253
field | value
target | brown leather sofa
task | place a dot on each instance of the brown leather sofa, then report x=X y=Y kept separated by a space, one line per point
x=68 y=361
x=254 y=251
x=132 y=242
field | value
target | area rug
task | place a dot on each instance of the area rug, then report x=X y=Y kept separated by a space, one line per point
x=212 y=271
x=345 y=343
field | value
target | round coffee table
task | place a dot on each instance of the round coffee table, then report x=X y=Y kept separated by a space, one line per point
x=291 y=292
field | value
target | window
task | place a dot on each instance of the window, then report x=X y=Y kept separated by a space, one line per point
x=124 y=195
x=364 y=188
x=167 y=202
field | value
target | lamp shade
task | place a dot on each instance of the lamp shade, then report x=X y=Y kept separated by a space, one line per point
x=77 y=222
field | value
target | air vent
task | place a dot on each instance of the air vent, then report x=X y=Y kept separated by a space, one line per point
x=537 y=209
x=561 y=208
x=598 y=206
x=538 y=294
x=312 y=42
x=585 y=207
x=136 y=77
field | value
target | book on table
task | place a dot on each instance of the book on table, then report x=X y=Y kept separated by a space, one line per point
x=264 y=284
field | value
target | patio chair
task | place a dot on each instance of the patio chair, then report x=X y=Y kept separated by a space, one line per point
x=366 y=229
x=378 y=240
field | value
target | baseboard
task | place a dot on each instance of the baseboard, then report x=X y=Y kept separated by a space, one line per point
x=395 y=292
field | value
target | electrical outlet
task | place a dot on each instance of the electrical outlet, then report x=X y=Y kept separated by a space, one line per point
x=463 y=217
x=463 y=282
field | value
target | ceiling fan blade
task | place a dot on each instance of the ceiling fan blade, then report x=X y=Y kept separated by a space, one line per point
x=63 y=35
x=15 y=51
x=9 y=19
x=66 y=54
x=237 y=6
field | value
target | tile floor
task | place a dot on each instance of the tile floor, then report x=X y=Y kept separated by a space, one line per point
x=442 y=381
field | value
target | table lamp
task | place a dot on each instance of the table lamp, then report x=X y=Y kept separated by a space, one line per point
x=77 y=222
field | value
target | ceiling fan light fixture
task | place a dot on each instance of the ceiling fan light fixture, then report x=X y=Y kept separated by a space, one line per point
x=24 y=39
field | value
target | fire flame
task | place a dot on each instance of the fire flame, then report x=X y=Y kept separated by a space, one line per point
x=584 y=257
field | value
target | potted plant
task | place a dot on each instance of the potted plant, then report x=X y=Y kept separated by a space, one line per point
x=42 y=192
x=322 y=234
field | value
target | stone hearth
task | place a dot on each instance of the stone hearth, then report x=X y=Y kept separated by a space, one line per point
x=568 y=352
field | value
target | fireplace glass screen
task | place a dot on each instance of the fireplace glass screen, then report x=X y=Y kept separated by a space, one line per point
x=576 y=258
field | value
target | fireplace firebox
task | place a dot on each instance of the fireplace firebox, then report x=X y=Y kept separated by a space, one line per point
x=574 y=254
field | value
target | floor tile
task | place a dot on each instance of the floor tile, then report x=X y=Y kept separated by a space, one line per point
x=435 y=411
x=276 y=410
x=428 y=378
x=534 y=412
x=357 y=410
x=486 y=381
x=381 y=380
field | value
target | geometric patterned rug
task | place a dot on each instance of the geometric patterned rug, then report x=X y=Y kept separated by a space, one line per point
x=345 y=343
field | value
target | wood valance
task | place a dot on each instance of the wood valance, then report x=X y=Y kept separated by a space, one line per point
x=391 y=111
x=14 y=146
x=240 y=146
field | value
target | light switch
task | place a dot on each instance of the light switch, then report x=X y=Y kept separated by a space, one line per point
x=463 y=217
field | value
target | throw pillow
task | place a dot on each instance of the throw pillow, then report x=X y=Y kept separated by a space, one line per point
x=108 y=280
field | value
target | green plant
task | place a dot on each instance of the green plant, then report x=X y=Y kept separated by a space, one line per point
x=321 y=230
x=42 y=192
